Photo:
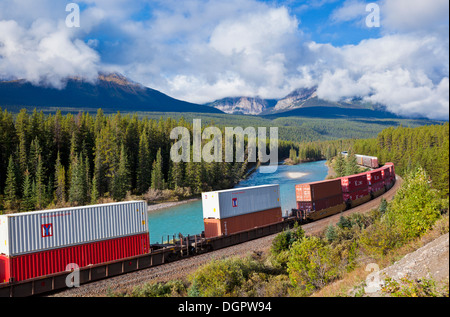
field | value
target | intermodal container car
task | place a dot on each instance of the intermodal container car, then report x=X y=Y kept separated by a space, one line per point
x=354 y=182
x=318 y=190
x=374 y=177
x=37 y=264
x=239 y=201
x=33 y=241
x=225 y=226
x=234 y=210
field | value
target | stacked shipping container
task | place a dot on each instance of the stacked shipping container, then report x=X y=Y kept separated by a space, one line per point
x=230 y=211
x=320 y=199
x=355 y=189
x=375 y=182
x=39 y=243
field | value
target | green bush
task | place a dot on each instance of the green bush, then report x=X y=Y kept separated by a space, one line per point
x=311 y=265
x=221 y=278
x=416 y=206
x=170 y=289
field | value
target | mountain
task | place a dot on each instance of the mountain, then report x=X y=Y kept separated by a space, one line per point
x=243 y=105
x=301 y=102
x=111 y=92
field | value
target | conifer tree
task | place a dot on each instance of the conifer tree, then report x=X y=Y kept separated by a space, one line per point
x=28 y=200
x=11 y=186
x=78 y=186
x=60 y=181
x=121 y=179
x=157 y=172
x=144 y=173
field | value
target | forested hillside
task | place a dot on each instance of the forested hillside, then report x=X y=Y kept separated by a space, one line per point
x=55 y=160
x=409 y=148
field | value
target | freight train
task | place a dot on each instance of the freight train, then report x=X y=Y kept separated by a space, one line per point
x=364 y=160
x=39 y=249
x=325 y=198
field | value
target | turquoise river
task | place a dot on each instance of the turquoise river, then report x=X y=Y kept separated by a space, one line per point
x=188 y=218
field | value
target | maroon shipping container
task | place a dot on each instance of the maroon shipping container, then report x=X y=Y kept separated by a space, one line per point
x=218 y=227
x=318 y=190
x=377 y=187
x=385 y=172
x=354 y=182
x=391 y=168
x=37 y=264
x=357 y=194
x=374 y=177
x=320 y=204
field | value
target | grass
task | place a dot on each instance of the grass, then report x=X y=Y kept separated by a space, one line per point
x=352 y=283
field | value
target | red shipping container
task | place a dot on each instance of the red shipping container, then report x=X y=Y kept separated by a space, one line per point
x=354 y=182
x=374 y=177
x=391 y=168
x=218 y=227
x=376 y=187
x=388 y=171
x=318 y=190
x=356 y=194
x=52 y=261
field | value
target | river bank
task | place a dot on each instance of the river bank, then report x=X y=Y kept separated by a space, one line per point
x=170 y=204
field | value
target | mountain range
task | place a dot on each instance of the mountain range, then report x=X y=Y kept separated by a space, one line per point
x=114 y=92
x=300 y=102
x=111 y=92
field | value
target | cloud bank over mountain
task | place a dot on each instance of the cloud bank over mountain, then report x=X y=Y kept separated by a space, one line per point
x=204 y=50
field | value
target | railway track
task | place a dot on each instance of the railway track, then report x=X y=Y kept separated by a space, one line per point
x=182 y=268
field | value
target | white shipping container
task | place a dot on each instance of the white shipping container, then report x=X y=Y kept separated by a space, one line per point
x=240 y=201
x=29 y=232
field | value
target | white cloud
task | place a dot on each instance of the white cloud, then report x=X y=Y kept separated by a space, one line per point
x=44 y=53
x=205 y=50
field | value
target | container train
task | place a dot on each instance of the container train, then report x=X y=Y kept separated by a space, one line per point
x=44 y=244
x=325 y=198
x=364 y=160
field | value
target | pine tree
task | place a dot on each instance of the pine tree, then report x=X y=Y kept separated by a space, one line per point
x=40 y=183
x=121 y=179
x=28 y=200
x=351 y=165
x=60 y=182
x=144 y=173
x=94 y=192
x=339 y=165
x=157 y=172
x=11 y=186
x=78 y=186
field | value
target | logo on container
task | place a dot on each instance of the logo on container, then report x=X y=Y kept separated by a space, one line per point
x=47 y=230
x=234 y=202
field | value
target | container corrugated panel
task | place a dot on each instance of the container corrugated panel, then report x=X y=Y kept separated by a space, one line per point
x=354 y=182
x=320 y=204
x=374 y=177
x=43 y=230
x=318 y=190
x=377 y=186
x=240 y=201
x=53 y=261
x=227 y=226
x=357 y=194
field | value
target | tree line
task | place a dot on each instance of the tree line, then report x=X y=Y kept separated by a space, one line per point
x=60 y=160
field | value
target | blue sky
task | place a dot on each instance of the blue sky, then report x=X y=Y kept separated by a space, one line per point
x=203 y=50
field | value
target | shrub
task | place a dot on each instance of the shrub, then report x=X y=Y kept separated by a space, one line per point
x=310 y=264
x=170 y=289
x=221 y=278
